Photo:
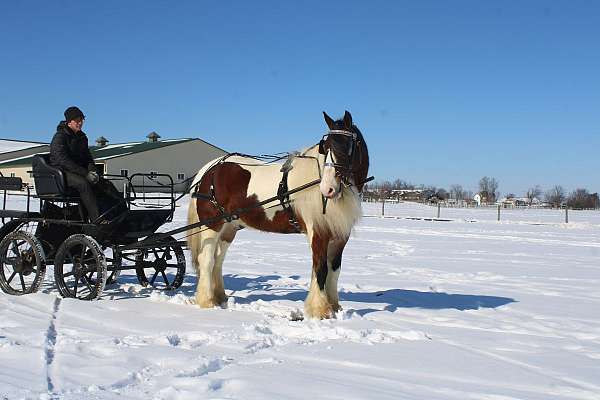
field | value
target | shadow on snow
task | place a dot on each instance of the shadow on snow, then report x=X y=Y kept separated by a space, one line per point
x=394 y=298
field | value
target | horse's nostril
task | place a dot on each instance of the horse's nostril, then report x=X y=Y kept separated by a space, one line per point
x=330 y=191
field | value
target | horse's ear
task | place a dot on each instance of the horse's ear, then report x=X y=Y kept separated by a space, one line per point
x=329 y=121
x=347 y=121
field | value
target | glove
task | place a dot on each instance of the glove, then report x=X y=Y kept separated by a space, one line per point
x=92 y=177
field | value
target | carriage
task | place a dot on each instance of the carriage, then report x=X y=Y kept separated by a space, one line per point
x=87 y=255
x=229 y=194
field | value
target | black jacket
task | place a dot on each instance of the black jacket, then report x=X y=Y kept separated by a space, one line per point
x=69 y=151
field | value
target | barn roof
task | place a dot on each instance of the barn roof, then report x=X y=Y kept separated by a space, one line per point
x=9 y=145
x=112 y=150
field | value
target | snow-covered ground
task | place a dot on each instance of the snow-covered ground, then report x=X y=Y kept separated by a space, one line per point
x=462 y=309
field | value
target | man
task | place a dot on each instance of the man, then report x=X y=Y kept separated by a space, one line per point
x=69 y=151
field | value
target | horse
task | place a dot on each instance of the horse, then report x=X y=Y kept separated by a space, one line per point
x=325 y=213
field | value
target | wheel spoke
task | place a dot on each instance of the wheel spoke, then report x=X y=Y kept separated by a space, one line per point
x=22 y=281
x=75 y=286
x=10 y=261
x=15 y=247
x=165 y=278
x=88 y=283
x=11 y=277
x=69 y=257
x=82 y=257
x=153 y=278
x=166 y=253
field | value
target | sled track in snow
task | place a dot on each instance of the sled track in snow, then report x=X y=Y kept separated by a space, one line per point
x=51 y=335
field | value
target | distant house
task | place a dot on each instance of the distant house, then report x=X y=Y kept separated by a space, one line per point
x=407 y=194
x=179 y=158
x=512 y=202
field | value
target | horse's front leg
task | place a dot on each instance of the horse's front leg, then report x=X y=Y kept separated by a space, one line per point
x=205 y=289
x=335 y=249
x=317 y=305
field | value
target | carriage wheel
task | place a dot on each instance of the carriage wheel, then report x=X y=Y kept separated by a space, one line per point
x=80 y=268
x=116 y=261
x=165 y=265
x=22 y=263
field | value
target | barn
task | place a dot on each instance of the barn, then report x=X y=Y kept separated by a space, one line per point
x=179 y=158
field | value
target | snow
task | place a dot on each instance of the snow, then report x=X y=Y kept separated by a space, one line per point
x=461 y=308
x=6 y=146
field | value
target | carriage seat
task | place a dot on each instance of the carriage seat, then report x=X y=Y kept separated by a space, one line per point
x=50 y=181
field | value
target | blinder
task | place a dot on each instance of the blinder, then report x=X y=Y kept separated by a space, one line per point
x=343 y=170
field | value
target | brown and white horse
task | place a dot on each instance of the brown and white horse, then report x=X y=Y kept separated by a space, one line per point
x=340 y=160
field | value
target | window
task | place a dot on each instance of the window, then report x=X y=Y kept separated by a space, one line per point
x=125 y=172
x=12 y=175
x=100 y=168
x=180 y=176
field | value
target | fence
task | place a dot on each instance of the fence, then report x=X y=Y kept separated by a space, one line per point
x=535 y=215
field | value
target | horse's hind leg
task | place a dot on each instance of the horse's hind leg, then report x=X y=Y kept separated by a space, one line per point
x=225 y=238
x=205 y=289
x=334 y=267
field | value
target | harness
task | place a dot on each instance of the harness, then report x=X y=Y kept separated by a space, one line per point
x=283 y=192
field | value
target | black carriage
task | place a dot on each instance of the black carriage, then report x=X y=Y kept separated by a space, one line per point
x=87 y=255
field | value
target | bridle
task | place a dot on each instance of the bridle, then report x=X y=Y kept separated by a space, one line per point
x=346 y=170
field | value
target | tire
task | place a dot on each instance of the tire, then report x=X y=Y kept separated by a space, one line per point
x=80 y=268
x=22 y=256
x=164 y=274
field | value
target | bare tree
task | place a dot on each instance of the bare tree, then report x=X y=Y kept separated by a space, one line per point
x=581 y=198
x=533 y=193
x=555 y=196
x=457 y=192
x=488 y=189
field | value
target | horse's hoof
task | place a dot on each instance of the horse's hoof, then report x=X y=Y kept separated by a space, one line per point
x=222 y=300
x=206 y=303
x=326 y=313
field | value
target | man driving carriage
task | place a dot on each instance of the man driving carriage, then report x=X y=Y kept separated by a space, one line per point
x=69 y=151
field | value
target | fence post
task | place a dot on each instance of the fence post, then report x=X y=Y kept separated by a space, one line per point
x=498 y=212
x=382 y=207
x=566 y=214
x=438 y=213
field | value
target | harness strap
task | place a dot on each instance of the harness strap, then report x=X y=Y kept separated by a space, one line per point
x=283 y=193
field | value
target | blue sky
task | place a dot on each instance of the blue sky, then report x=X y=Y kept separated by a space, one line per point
x=444 y=92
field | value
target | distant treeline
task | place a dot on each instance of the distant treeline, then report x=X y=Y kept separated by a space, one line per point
x=488 y=194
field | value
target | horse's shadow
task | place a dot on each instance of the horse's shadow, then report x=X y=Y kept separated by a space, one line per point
x=393 y=298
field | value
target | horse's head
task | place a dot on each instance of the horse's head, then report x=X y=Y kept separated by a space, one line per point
x=346 y=157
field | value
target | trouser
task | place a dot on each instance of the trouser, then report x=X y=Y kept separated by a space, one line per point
x=86 y=192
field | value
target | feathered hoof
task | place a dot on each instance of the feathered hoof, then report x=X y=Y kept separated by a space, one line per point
x=221 y=298
x=206 y=302
x=314 y=307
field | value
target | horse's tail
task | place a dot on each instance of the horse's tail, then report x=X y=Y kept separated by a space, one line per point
x=194 y=240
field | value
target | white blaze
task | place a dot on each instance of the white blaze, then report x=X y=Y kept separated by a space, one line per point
x=329 y=183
